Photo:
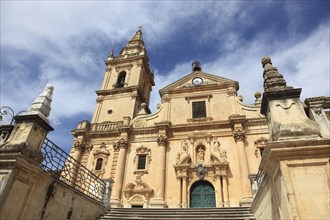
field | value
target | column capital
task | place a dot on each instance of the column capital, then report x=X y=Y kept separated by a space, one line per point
x=79 y=146
x=239 y=135
x=162 y=140
x=122 y=143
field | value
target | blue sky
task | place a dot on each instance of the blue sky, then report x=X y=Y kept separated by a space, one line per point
x=65 y=43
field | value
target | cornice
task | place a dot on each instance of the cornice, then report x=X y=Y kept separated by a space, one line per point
x=197 y=88
x=119 y=91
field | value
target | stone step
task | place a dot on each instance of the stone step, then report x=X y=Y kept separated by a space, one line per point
x=234 y=209
x=233 y=213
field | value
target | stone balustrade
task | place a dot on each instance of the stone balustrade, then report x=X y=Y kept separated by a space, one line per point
x=106 y=126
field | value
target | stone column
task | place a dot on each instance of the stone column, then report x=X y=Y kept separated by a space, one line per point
x=220 y=192
x=184 y=192
x=239 y=137
x=121 y=145
x=159 y=199
x=74 y=165
x=225 y=191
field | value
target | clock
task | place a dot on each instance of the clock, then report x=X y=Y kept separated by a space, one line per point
x=197 y=81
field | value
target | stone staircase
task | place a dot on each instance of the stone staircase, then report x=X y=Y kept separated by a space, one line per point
x=234 y=213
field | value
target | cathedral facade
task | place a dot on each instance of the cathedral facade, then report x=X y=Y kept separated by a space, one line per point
x=201 y=148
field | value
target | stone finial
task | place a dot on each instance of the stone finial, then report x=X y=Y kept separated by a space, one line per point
x=142 y=109
x=257 y=95
x=42 y=103
x=273 y=80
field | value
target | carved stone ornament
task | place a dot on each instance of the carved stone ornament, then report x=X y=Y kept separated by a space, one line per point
x=239 y=135
x=317 y=109
x=166 y=98
x=79 y=146
x=184 y=145
x=102 y=150
x=122 y=143
x=219 y=154
x=162 y=140
x=231 y=91
x=139 y=188
x=139 y=123
x=98 y=99
x=201 y=171
x=134 y=94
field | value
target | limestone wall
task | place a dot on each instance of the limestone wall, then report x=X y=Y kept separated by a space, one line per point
x=265 y=205
x=296 y=189
x=27 y=192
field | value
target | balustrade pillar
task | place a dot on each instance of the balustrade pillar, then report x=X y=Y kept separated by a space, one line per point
x=239 y=137
x=121 y=145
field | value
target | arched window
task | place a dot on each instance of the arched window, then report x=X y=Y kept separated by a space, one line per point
x=121 y=79
x=99 y=164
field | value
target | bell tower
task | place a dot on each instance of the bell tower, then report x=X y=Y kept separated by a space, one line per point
x=127 y=83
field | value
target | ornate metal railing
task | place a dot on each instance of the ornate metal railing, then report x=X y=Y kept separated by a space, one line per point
x=69 y=171
x=259 y=177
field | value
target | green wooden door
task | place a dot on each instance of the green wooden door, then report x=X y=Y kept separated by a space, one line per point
x=202 y=195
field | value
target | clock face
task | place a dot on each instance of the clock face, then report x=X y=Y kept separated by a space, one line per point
x=197 y=81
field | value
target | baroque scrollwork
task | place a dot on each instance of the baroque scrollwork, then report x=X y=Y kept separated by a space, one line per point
x=166 y=98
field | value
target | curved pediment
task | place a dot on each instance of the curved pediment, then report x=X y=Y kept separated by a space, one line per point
x=185 y=160
x=140 y=187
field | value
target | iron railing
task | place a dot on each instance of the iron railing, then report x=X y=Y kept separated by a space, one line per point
x=259 y=178
x=66 y=169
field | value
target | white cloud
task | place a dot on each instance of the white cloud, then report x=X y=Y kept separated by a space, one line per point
x=68 y=41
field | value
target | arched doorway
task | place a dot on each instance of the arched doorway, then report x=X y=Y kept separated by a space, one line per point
x=202 y=195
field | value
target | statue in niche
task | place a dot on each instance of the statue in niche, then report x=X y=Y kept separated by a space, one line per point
x=200 y=154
